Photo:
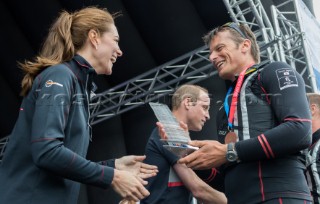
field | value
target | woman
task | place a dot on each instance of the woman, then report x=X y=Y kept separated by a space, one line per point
x=45 y=157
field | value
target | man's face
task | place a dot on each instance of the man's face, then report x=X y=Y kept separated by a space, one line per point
x=198 y=112
x=225 y=55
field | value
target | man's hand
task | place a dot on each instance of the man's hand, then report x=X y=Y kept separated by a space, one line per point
x=210 y=154
x=129 y=186
x=133 y=164
x=162 y=132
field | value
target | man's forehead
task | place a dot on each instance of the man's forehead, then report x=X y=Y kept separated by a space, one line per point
x=222 y=37
x=204 y=97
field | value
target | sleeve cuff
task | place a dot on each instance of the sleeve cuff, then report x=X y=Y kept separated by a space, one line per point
x=110 y=163
x=108 y=176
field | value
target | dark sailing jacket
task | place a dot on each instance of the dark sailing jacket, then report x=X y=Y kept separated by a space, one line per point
x=44 y=160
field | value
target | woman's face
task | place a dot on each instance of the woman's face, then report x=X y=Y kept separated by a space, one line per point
x=106 y=51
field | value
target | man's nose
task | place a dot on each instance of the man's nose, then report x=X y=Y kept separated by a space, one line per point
x=207 y=115
x=213 y=58
x=119 y=52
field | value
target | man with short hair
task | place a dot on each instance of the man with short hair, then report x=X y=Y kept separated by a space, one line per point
x=313 y=162
x=267 y=124
x=176 y=183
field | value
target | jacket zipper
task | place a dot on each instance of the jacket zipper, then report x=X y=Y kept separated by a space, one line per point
x=88 y=122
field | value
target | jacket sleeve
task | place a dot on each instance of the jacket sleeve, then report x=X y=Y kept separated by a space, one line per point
x=109 y=162
x=54 y=92
x=285 y=90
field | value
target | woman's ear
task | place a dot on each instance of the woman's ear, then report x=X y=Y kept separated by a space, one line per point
x=93 y=36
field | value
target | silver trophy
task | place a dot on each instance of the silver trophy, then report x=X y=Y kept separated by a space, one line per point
x=177 y=141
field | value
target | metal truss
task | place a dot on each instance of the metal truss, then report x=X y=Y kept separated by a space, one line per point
x=285 y=39
x=3 y=143
x=283 y=42
x=154 y=84
x=253 y=14
x=190 y=68
x=292 y=43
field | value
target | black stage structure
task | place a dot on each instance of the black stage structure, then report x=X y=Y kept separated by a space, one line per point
x=163 y=48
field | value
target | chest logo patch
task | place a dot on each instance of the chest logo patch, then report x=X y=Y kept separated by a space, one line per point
x=50 y=83
x=286 y=78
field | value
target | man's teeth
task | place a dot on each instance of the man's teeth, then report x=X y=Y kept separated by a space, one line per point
x=220 y=63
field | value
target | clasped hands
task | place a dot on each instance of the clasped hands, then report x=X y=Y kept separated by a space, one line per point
x=210 y=154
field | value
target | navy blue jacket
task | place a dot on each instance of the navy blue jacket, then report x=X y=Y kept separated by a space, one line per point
x=273 y=123
x=44 y=160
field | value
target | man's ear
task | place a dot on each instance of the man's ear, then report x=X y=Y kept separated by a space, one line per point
x=313 y=109
x=246 y=45
x=186 y=103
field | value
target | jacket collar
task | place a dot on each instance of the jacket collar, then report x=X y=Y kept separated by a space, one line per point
x=83 y=71
x=315 y=136
x=81 y=68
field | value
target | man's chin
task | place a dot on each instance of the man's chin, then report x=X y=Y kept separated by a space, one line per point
x=199 y=128
x=223 y=76
x=196 y=129
x=108 y=71
x=226 y=76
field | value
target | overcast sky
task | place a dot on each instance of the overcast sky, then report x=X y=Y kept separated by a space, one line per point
x=316 y=8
